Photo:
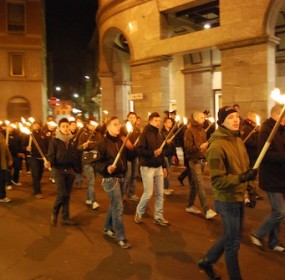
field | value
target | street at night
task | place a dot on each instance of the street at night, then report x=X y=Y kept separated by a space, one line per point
x=35 y=250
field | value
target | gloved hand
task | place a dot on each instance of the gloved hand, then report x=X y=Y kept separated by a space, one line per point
x=249 y=175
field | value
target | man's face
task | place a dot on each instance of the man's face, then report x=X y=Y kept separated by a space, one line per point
x=155 y=122
x=168 y=124
x=200 y=118
x=114 y=127
x=73 y=126
x=64 y=128
x=132 y=119
x=232 y=121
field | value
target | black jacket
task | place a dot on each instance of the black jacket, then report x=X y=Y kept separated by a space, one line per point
x=107 y=152
x=272 y=168
x=150 y=140
x=62 y=156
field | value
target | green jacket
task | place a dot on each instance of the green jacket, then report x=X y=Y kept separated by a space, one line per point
x=227 y=158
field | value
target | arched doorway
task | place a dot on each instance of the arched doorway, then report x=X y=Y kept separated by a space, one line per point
x=17 y=107
x=117 y=55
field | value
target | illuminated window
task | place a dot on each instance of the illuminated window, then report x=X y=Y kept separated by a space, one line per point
x=17 y=64
x=16 y=17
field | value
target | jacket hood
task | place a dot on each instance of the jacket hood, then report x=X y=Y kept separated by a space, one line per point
x=223 y=133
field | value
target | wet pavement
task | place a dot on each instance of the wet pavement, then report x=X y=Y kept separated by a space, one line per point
x=32 y=249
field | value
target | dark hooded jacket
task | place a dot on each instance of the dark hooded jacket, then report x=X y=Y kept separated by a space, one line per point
x=272 y=168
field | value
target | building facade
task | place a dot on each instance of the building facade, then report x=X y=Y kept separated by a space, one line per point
x=22 y=60
x=157 y=55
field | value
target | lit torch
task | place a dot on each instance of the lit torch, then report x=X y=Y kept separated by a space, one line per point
x=275 y=95
x=212 y=122
x=129 y=129
x=257 y=121
x=177 y=120
x=179 y=129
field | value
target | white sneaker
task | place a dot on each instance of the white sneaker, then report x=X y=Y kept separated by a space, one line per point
x=167 y=192
x=256 y=240
x=5 y=200
x=278 y=248
x=134 y=198
x=192 y=209
x=88 y=202
x=95 y=205
x=210 y=214
x=8 y=188
x=18 y=184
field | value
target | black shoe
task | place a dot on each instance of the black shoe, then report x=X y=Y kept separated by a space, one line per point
x=69 y=223
x=53 y=219
x=208 y=268
x=180 y=181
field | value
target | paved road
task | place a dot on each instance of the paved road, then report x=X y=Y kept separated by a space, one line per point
x=32 y=249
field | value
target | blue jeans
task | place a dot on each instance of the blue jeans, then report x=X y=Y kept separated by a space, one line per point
x=114 y=189
x=271 y=225
x=152 y=179
x=232 y=214
x=197 y=186
x=131 y=176
x=90 y=175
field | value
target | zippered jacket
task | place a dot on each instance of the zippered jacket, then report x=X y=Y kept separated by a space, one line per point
x=227 y=159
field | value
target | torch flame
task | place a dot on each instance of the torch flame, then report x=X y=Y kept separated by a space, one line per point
x=93 y=123
x=23 y=120
x=276 y=96
x=184 y=120
x=31 y=119
x=79 y=124
x=129 y=127
x=7 y=122
x=52 y=124
x=211 y=119
x=177 y=118
x=257 y=120
x=25 y=130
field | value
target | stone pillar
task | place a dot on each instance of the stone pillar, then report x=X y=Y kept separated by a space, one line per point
x=108 y=93
x=248 y=74
x=198 y=90
x=150 y=78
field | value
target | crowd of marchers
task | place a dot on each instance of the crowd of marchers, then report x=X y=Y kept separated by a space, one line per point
x=123 y=152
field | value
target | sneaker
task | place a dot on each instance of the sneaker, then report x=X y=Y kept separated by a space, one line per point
x=95 y=205
x=134 y=198
x=8 y=188
x=18 y=184
x=125 y=244
x=109 y=233
x=256 y=240
x=205 y=265
x=192 y=209
x=167 y=192
x=88 y=202
x=5 y=200
x=161 y=222
x=138 y=218
x=210 y=214
x=278 y=248
x=39 y=196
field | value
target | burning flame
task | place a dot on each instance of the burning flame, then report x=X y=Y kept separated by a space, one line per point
x=52 y=124
x=211 y=119
x=31 y=119
x=129 y=127
x=177 y=118
x=79 y=124
x=25 y=130
x=276 y=96
x=93 y=123
x=184 y=120
x=257 y=120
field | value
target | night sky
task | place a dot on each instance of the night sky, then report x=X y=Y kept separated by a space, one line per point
x=70 y=25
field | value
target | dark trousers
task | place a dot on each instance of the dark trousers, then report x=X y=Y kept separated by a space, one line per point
x=15 y=174
x=64 y=179
x=37 y=167
x=2 y=183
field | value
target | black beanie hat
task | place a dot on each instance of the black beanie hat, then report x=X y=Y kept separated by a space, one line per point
x=224 y=112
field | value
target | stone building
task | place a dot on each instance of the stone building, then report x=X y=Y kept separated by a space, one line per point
x=22 y=60
x=158 y=55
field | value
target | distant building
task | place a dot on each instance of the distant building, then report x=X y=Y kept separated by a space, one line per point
x=157 y=55
x=22 y=60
